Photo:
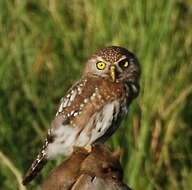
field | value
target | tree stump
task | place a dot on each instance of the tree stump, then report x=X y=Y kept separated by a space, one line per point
x=98 y=170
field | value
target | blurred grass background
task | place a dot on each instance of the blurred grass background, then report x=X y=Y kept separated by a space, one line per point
x=43 y=47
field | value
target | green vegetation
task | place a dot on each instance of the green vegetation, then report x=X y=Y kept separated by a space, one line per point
x=43 y=47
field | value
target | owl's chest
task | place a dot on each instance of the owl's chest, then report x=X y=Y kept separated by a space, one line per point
x=111 y=90
x=105 y=122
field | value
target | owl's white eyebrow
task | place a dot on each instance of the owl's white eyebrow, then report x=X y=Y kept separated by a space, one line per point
x=123 y=57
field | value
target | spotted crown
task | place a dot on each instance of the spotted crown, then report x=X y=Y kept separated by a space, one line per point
x=112 y=53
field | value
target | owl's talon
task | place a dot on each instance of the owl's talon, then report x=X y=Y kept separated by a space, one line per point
x=88 y=148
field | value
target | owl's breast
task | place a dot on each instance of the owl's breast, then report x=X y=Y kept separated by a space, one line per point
x=111 y=90
x=110 y=118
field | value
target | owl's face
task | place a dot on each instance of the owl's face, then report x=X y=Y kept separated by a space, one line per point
x=117 y=64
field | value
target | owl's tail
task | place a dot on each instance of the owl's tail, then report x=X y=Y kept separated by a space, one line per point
x=36 y=167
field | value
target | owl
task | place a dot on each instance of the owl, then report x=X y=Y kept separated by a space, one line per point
x=94 y=106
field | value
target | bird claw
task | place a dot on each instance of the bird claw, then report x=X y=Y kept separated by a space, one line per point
x=88 y=148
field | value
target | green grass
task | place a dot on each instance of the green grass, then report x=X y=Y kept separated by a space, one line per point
x=43 y=47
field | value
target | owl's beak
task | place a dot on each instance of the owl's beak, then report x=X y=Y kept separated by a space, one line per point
x=112 y=72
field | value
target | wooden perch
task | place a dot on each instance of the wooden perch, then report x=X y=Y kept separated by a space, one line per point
x=98 y=170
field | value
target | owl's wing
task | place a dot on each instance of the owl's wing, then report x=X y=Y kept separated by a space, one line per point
x=73 y=114
x=67 y=100
x=72 y=103
x=50 y=147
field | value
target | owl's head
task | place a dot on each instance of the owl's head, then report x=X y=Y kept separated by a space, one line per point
x=117 y=64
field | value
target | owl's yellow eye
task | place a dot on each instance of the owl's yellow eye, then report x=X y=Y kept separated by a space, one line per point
x=126 y=64
x=101 y=65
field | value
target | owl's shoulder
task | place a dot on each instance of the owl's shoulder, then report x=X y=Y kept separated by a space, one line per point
x=81 y=90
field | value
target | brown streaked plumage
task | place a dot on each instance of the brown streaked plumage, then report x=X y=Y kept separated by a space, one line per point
x=94 y=107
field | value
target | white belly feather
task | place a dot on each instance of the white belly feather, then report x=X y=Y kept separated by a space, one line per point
x=68 y=136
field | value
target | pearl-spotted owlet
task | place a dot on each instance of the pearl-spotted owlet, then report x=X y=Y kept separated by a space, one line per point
x=94 y=106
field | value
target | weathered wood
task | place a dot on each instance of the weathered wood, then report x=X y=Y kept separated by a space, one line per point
x=98 y=170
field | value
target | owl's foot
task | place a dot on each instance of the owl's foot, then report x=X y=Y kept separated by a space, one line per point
x=88 y=148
